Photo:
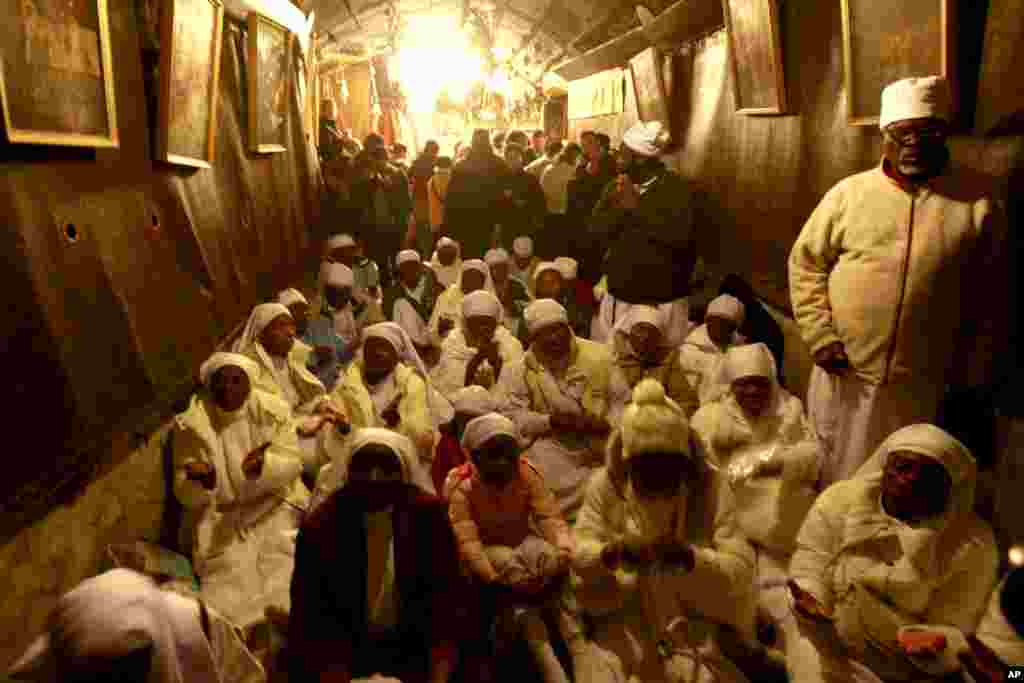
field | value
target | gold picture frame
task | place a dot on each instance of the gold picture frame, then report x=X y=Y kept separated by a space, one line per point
x=755 y=51
x=886 y=40
x=56 y=73
x=191 y=34
x=269 y=64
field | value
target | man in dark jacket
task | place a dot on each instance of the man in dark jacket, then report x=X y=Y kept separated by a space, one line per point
x=473 y=193
x=644 y=222
x=524 y=206
x=597 y=168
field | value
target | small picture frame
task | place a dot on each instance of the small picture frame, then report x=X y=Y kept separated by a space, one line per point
x=56 y=73
x=886 y=40
x=755 y=50
x=268 y=78
x=191 y=32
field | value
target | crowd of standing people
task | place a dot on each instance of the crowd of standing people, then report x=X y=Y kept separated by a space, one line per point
x=498 y=423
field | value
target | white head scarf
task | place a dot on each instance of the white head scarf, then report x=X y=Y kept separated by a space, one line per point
x=393 y=333
x=482 y=303
x=339 y=241
x=447 y=242
x=523 y=247
x=647 y=139
x=412 y=471
x=569 y=267
x=261 y=316
x=544 y=312
x=407 y=255
x=728 y=307
x=290 y=297
x=482 y=429
x=222 y=359
x=635 y=315
x=474 y=400
x=496 y=257
x=336 y=275
x=915 y=98
x=447 y=275
x=749 y=360
x=480 y=267
x=115 y=613
x=545 y=266
x=931 y=544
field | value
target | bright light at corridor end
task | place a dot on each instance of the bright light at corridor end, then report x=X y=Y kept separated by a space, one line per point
x=435 y=55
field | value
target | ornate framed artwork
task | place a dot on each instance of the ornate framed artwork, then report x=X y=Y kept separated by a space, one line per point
x=56 y=73
x=268 y=69
x=755 y=50
x=649 y=86
x=886 y=40
x=190 y=38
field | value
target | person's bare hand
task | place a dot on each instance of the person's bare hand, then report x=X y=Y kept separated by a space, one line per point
x=202 y=472
x=832 y=359
x=252 y=466
x=922 y=643
x=806 y=604
x=628 y=197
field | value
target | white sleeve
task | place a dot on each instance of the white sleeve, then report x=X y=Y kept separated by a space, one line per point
x=410 y=321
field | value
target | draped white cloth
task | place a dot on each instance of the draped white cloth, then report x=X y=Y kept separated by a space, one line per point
x=610 y=311
x=447 y=275
x=700 y=358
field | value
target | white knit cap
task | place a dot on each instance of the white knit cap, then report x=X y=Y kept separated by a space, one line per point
x=407 y=255
x=749 y=360
x=339 y=241
x=648 y=139
x=481 y=303
x=522 y=246
x=728 y=307
x=544 y=312
x=653 y=422
x=496 y=256
x=482 y=429
x=290 y=297
x=337 y=275
x=446 y=242
x=545 y=266
x=474 y=400
x=568 y=266
x=222 y=359
x=915 y=98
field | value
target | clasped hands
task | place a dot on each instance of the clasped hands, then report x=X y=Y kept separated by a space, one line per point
x=206 y=475
x=616 y=553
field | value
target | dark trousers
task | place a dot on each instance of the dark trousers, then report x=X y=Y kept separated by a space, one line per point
x=403 y=656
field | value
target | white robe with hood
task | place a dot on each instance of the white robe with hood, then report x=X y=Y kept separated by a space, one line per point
x=700 y=358
x=877 y=573
x=450 y=374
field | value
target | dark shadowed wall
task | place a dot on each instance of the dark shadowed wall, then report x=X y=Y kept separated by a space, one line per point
x=107 y=332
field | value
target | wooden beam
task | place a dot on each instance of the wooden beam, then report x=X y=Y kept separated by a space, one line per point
x=685 y=20
x=569 y=49
x=535 y=32
x=615 y=53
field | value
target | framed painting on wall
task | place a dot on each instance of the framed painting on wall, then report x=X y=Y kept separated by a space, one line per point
x=56 y=73
x=755 y=50
x=886 y=40
x=649 y=86
x=268 y=70
x=191 y=33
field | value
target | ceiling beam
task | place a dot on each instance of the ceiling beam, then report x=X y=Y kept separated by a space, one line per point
x=569 y=49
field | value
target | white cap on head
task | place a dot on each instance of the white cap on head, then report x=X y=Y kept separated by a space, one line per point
x=915 y=98
x=223 y=359
x=496 y=256
x=336 y=275
x=523 y=246
x=474 y=400
x=407 y=255
x=481 y=303
x=569 y=267
x=648 y=139
x=544 y=312
x=290 y=297
x=546 y=266
x=749 y=360
x=728 y=307
x=653 y=422
x=482 y=429
x=446 y=242
x=340 y=241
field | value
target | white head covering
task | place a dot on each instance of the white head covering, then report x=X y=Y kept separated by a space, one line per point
x=290 y=297
x=653 y=422
x=523 y=246
x=484 y=428
x=447 y=275
x=496 y=256
x=261 y=316
x=749 y=360
x=636 y=314
x=222 y=359
x=648 y=139
x=915 y=98
x=114 y=614
x=931 y=544
x=447 y=242
x=569 y=267
x=412 y=471
x=728 y=307
x=544 y=312
x=545 y=266
x=474 y=400
x=479 y=266
x=407 y=255
x=338 y=241
x=336 y=275
x=482 y=302
x=393 y=333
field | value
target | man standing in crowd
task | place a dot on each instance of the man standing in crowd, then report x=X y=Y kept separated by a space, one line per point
x=382 y=193
x=475 y=189
x=879 y=277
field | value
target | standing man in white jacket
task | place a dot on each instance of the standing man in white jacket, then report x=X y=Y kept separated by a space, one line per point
x=880 y=282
